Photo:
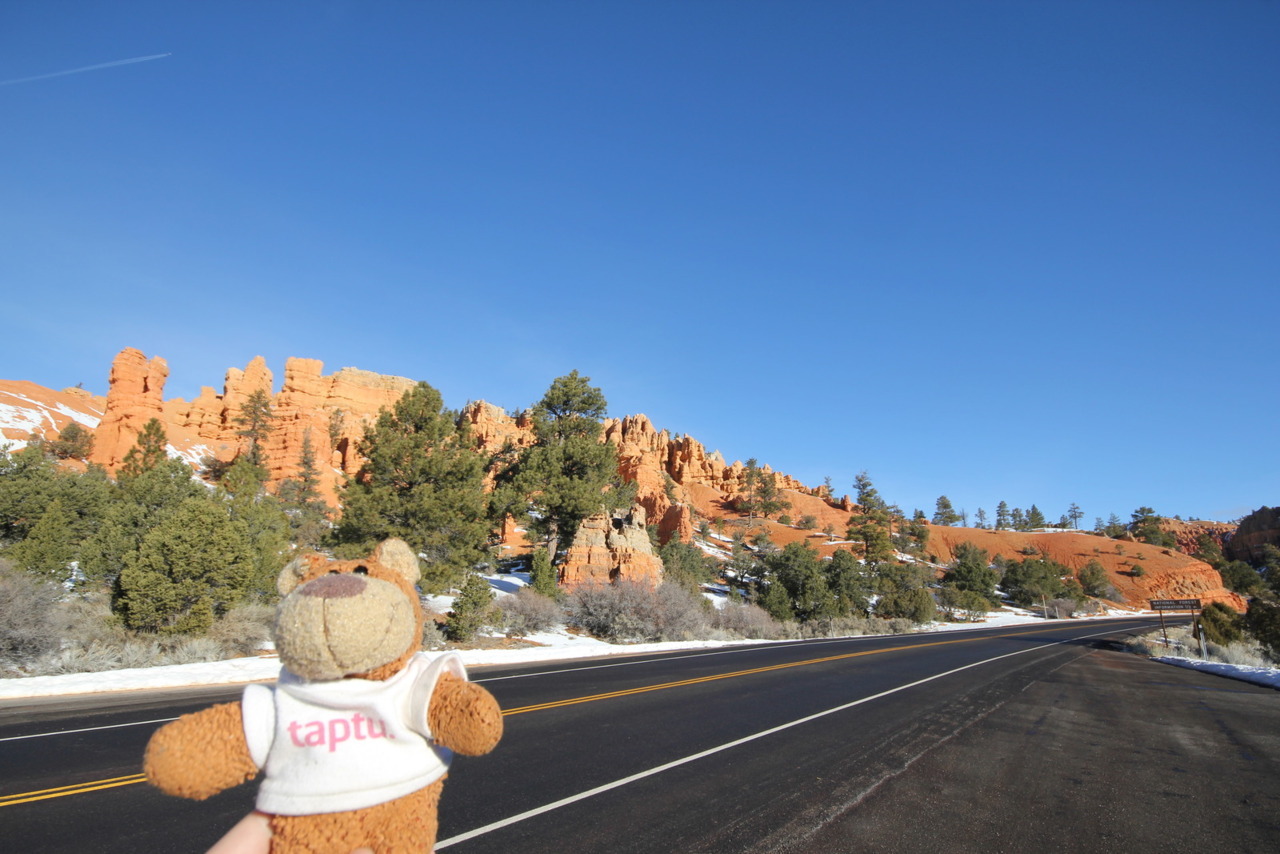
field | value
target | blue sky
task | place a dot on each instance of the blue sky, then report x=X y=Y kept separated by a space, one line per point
x=993 y=250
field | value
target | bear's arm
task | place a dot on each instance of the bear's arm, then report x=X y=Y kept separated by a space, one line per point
x=464 y=717
x=200 y=754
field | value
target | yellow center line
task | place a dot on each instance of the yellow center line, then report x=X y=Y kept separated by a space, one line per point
x=555 y=704
x=76 y=789
x=95 y=785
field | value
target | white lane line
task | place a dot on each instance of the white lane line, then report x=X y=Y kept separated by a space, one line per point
x=590 y=793
x=86 y=729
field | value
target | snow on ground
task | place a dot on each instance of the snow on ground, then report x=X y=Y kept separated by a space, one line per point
x=557 y=645
x=1269 y=676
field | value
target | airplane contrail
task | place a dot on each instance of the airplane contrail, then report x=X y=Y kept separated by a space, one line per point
x=85 y=68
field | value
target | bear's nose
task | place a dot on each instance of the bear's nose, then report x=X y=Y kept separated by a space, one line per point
x=337 y=586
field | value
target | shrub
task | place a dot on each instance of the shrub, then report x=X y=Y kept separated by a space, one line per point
x=808 y=522
x=528 y=611
x=1221 y=624
x=1061 y=608
x=747 y=620
x=245 y=629
x=1262 y=620
x=916 y=605
x=628 y=611
x=32 y=620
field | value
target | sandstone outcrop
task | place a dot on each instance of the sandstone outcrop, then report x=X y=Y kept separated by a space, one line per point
x=1167 y=574
x=27 y=408
x=1258 y=529
x=1188 y=534
x=331 y=412
x=609 y=548
x=135 y=396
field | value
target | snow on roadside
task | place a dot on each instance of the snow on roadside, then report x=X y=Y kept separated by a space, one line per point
x=560 y=646
x=1268 y=676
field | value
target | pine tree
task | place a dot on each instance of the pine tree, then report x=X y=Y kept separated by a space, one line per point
x=568 y=474
x=148 y=451
x=423 y=482
x=1075 y=514
x=470 y=609
x=1003 y=520
x=771 y=500
x=308 y=513
x=981 y=518
x=750 y=502
x=255 y=424
x=542 y=575
x=265 y=523
x=944 y=513
x=1035 y=518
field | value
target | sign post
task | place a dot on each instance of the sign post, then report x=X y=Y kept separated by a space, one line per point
x=1162 y=605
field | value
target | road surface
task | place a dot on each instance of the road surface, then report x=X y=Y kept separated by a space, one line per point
x=1024 y=738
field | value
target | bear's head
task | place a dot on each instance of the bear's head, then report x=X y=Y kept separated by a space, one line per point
x=343 y=619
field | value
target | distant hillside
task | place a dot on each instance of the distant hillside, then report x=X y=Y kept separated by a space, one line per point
x=680 y=485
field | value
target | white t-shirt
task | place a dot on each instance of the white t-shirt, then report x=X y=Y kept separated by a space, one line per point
x=348 y=744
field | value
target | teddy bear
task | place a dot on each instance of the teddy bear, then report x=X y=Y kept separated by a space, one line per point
x=354 y=739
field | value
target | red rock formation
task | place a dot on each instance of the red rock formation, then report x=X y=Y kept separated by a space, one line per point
x=1258 y=529
x=612 y=548
x=27 y=408
x=134 y=398
x=1167 y=574
x=1188 y=534
x=333 y=411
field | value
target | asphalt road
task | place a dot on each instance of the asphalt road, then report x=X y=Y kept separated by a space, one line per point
x=1027 y=738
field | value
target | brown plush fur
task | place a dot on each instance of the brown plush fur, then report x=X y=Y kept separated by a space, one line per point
x=203 y=753
x=200 y=754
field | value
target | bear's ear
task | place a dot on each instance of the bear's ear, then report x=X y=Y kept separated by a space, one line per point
x=396 y=555
x=294 y=571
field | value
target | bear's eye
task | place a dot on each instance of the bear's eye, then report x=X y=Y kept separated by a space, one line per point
x=361 y=570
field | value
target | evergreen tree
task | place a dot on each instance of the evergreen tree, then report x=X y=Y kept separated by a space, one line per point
x=422 y=482
x=1093 y=580
x=470 y=610
x=307 y=511
x=1035 y=518
x=147 y=490
x=981 y=518
x=192 y=566
x=568 y=474
x=800 y=573
x=542 y=575
x=685 y=565
x=1145 y=526
x=255 y=424
x=1003 y=519
x=1017 y=520
x=849 y=583
x=971 y=570
x=771 y=500
x=73 y=443
x=750 y=502
x=944 y=513
x=1075 y=514
x=868 y=496
x=50 y=547
x=916 y=605
x=265 y=523
x=147 y=452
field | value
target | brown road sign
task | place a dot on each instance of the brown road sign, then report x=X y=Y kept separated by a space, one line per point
x=1175 y=604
